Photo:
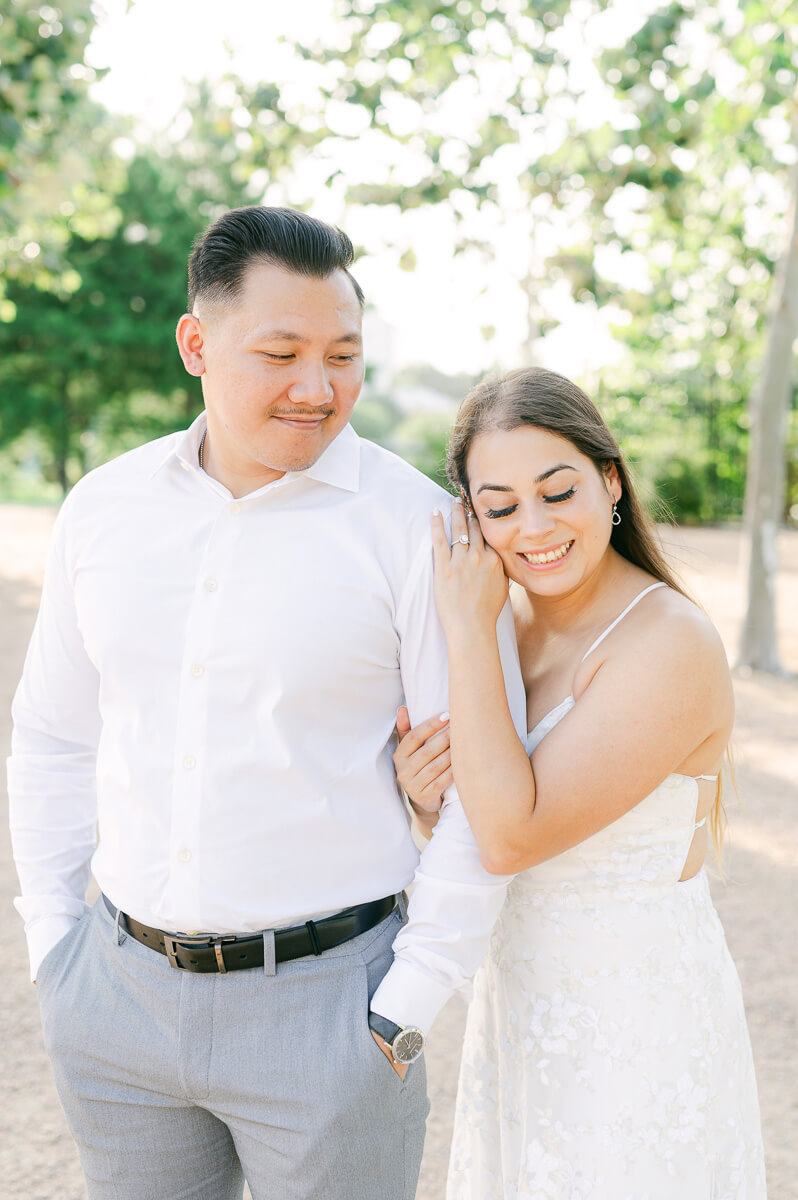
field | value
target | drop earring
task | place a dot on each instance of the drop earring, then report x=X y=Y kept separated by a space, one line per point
x=616 y=516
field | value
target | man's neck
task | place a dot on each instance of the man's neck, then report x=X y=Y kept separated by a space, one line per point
x=239 y=481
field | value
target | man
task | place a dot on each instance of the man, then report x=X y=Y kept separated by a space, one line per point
x=230 y=618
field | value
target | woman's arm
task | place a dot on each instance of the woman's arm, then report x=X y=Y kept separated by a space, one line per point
x=654 y=700
x=488 y=758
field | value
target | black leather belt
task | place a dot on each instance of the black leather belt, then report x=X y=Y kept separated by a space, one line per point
x=231 y=952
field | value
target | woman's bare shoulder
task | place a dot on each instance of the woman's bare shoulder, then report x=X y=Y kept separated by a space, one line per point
x=682 y=626
x=674 y=638
x=666 y=631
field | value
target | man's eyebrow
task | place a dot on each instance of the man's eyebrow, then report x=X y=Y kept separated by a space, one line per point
x=290 y=335
x=502 y=487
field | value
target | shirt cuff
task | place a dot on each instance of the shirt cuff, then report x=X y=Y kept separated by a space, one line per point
x=43 y=935
x=407 y=996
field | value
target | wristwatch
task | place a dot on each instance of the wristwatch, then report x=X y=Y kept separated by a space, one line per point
x=406 y=1043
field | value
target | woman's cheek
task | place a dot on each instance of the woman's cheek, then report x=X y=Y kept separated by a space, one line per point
x=496 y=538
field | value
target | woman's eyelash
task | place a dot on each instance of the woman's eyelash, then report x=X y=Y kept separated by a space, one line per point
x=563 y=496
x=505 y=512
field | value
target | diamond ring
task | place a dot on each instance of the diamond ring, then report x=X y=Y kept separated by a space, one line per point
x=463 y=539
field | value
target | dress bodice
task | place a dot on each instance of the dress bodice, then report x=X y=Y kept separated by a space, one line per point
x=647 y=845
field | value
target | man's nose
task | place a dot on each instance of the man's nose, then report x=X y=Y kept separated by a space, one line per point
x=311 y=386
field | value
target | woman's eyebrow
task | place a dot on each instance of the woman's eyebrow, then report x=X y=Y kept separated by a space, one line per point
x=503 y=487
x=494 y=487
x=553 y=471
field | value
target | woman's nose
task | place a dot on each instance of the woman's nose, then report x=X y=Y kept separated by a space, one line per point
x=536 y=520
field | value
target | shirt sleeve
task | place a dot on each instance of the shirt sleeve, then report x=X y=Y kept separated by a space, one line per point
x=455 y=901
x=51 y=771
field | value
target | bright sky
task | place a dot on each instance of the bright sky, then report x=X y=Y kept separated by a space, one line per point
x=437 y=313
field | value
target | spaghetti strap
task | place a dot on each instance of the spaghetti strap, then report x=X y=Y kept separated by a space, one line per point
x=652 y=587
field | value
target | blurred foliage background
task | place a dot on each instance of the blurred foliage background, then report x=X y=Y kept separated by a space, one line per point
x=662 y=213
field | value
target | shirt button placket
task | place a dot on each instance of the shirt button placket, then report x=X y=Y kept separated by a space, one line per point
x=192 y=717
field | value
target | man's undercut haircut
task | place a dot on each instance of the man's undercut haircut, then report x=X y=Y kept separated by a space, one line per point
x=278 y=237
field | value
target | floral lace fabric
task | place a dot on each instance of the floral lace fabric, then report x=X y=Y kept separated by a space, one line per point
x=606 y=1054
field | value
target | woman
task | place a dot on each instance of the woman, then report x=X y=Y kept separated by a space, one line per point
x=606 y=1054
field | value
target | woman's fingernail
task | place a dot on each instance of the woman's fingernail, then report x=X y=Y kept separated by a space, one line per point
x=436 y=512
x=457 y=500
x=443 y=717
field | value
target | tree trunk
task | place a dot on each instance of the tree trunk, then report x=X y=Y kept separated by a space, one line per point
x=766 y=477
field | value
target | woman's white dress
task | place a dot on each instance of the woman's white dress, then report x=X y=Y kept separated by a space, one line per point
x=606 y=1053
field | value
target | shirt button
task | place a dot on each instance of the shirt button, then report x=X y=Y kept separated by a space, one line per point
x=235 y=508
x=210 y=585
x=189 y=762
x=197 y=670
x=184 y=856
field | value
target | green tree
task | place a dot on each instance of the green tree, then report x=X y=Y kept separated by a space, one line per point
x=56 y=172
x=87 y=356
x=660 y=203
x=96 y=358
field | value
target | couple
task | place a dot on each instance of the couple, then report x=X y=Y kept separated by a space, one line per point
x=231 y=618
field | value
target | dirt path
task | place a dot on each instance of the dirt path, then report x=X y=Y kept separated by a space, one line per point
x=758 y=903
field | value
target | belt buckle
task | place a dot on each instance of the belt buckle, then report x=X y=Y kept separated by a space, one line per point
x=172 y=941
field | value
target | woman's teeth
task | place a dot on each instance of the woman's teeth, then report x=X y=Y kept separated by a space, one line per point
x=538 y=559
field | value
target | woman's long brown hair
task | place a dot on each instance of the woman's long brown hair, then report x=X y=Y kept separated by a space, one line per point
x=545 y=400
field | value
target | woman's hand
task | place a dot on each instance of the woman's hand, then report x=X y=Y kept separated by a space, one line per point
x=471 y=587
x=423 y=765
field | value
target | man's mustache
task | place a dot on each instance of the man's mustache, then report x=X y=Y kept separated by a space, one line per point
x=297 y=412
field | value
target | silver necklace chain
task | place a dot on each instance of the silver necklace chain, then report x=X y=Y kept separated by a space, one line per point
x=202 y=447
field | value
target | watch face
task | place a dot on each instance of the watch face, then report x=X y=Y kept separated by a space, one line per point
x=408 y=1045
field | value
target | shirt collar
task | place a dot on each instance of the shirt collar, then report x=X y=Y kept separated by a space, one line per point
x=338 y=466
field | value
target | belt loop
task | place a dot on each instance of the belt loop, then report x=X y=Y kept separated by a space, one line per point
x=313 y=934
x=119 y=933
x=269 y=960
x=401 y=900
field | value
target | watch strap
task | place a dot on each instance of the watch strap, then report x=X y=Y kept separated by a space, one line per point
x=385 y=1029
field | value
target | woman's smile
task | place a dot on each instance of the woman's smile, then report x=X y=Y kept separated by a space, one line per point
x=548 y=559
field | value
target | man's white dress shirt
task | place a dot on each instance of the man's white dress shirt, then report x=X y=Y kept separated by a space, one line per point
x=212 y=687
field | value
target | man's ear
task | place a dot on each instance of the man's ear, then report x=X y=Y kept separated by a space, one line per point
x=189 y=342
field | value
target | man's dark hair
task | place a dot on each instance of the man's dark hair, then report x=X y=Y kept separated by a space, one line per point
x=258 y=234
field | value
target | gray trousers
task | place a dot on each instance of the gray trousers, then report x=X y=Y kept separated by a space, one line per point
x=178 y=1085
